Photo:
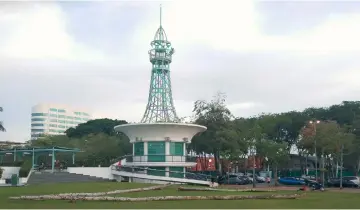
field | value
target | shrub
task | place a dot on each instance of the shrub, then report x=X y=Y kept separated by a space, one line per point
x=1 y=172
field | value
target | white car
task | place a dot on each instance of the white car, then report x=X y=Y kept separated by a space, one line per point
x=353 y=179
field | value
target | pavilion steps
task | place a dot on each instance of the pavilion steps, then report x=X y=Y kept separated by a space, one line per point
x=61 y=177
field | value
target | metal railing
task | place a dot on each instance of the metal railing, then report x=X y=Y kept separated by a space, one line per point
x=159 y=158
x=156 y=172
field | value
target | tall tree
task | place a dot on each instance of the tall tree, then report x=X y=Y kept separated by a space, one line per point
x=94 y=127
x=1 y=124
x=216 y=117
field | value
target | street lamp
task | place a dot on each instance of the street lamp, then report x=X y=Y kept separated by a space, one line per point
x=254 y=163
x=315 y=122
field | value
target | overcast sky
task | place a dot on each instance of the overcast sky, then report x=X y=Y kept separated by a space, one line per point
x=266 y=56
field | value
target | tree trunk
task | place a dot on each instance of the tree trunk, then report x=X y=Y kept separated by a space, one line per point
x=322 y=167
x=301 y=161
x=276 y=175
x=217 y=160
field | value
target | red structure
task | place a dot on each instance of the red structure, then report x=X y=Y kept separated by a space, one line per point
x=208 y=164
x=204 y=164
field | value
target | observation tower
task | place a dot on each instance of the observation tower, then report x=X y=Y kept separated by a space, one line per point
x=159 y=141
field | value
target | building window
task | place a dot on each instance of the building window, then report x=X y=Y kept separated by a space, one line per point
x=53 y=109
x=177 y=172
x=53 y=120
x=38 y=119
x=37 y=124
x=61 y=110
x=38 y=114
x=61 y=121
x=77 y=118
x=156 y=151
x=139 y=148
x=53 y=115
x=69 y=117
x=53 y=125
x=156 y=171
x=86 y=119
x=177 y=148
x=61 y=126
x=61 y=116
x=38 y=130
x=52 y=130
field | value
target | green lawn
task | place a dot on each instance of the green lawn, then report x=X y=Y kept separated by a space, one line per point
x=311 y=200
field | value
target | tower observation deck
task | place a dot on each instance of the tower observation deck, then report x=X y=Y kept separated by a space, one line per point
x=160 y=107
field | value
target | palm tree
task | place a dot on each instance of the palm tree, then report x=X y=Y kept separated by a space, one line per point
x=1 y=126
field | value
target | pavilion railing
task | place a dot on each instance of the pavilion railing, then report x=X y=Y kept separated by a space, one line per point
x=159 y=158
x=156 y=172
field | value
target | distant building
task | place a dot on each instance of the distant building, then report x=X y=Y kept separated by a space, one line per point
x=11 y=144
x=53 y=119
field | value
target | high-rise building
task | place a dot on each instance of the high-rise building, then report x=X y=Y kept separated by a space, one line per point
x=54 y=119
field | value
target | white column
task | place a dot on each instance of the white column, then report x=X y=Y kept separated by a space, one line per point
x=185 y=149
x=133 y=152
x=145 y=148
x=167 y=148
x=145 y=157
x=184 y=171
x=167 y=174
x=168 y=158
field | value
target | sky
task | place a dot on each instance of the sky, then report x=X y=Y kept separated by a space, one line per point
x=267 y=56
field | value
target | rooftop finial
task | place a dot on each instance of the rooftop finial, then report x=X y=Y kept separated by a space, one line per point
x=160 y=15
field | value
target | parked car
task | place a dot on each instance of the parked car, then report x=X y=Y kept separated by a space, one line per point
x=233 y=180
x=292 y=181
x=258 y=179
x=247 y=179
x=348 y=181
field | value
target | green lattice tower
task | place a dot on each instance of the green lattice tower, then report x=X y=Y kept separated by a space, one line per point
x=160 y=106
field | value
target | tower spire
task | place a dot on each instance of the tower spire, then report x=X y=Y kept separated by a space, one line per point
x=160 y=106
x=160 y=15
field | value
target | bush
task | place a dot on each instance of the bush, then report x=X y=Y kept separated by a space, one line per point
x=25 y=168
x=1 y=172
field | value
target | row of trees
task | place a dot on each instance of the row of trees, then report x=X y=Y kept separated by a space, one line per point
x=322 y=132
x=334 y=134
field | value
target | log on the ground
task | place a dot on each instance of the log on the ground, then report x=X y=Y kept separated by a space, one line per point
x=224 y=190
x=158 y=187
x=160 y=198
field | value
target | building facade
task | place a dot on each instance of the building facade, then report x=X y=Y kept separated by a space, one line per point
x=53 y=119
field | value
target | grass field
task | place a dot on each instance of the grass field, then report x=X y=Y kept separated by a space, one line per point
x=311 y=200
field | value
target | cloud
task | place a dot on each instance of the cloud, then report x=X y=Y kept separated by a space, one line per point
x=94 y=55
x=39 y=31
x=237 y=26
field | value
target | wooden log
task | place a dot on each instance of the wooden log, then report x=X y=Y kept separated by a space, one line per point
x=160 y=198
x=158 y=187
x=224 y=190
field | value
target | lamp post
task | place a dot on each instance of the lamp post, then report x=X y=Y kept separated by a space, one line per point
x=254 y=163
x=316 y=162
